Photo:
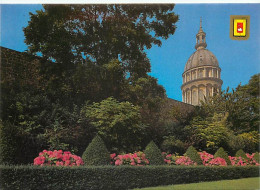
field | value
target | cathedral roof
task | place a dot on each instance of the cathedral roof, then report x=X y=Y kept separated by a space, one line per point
x=201 y=57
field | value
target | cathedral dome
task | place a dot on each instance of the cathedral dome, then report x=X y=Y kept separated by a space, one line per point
x=201 y=57
x=201 y=76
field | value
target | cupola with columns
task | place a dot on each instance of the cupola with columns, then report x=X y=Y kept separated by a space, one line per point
x=201 y=76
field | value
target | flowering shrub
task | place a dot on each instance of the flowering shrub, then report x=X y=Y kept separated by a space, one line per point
x=209 y=160
x=57 y=158
x=170 y=159
x=251 y=160
x=184 y=160
x=135 y=159
x=237 y=161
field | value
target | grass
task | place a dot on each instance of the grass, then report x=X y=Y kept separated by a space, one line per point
x=238 y=184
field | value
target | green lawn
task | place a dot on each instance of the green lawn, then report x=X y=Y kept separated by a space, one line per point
x=238 y=184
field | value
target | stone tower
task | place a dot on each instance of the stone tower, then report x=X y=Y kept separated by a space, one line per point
x=201 y=76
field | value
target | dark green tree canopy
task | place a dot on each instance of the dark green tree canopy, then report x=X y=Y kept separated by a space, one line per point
x=70 y=34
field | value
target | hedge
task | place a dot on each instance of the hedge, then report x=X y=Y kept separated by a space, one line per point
x=113 y=177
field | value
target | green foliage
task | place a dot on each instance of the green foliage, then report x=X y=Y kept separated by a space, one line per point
x=9 y=143
x=222 y=154
x=242 y=104
x=87 y=56
x=241 y=153
x=60 y=33
x=173 y=145
x=111 y=177
x=153 y=154
x=250 y=141
x=209 y=133
x=193 y=155
x=96 y=154
x=119 y=123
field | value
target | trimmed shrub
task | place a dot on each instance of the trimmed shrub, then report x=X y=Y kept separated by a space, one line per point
x=256 y=157
x=111 y=177
x=153 y=154
x=222 y=154
x=241 y=153
x=194 y=155
x=96 y=154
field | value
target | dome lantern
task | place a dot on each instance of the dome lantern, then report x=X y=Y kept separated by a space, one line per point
x=201 y=38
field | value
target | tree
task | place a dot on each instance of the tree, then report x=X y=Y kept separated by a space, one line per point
x=102 y=49
x=210 y=133
x=242 y=105
x=70 y=34
x=118 y=123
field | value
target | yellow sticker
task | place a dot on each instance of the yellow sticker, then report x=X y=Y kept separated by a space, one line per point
x=240 y=27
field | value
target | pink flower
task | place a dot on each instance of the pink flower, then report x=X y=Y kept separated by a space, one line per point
x=56 y=158
x=112 y=156
x=118 y=162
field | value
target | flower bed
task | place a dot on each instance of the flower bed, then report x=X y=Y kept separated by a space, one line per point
x=135 y=159
x=209 y=160
x=57 y=158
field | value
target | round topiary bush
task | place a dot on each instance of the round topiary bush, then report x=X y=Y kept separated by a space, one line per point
x=241 y=153
x=96 y=154
x=153 y=154
x=222 y=154
x=193 y=154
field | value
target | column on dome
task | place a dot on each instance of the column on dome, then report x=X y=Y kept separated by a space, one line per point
x=208 y=90
x=198 y=98
x=201 y=89
x=204 y=72
x=190 y=96
x=194 y=95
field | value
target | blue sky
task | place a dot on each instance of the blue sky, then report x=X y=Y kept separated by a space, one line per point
x=239 y=60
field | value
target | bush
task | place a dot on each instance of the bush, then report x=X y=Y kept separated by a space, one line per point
x=135 y=159
x=173 y=145
x=241 y=153
x=10 y=144
x=193 y=155
x=256 y=157
x=96 y=154
x=153 y=154
x=112 y=177
x=222 y=154
x=57 y=158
